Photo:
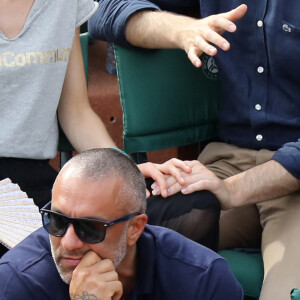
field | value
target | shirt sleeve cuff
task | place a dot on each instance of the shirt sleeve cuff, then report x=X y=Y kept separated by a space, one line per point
x=109 y=22
x=289 y=157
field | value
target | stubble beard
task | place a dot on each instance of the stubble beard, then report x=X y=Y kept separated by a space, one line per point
x=121 y=250
x=66 y=276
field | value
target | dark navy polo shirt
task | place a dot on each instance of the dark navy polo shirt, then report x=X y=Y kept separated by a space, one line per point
x=28 y=271
x=260 y=107
x=169 y=267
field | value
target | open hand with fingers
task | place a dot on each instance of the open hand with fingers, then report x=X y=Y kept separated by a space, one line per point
x=96 y=279
x=158 y=172
x=201 y=36
x=200 y=178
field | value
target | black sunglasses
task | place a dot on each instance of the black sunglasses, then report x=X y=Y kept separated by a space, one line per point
x=90 y=231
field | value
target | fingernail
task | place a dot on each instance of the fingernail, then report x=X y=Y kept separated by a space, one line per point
x=169 y=192
x=153 y=186
x=165 y=192
x=211 y=50
x=225 y=46
x=154 y=192
x=231 y=27
x=183 y=191
x=181 y=179
x=197 y=63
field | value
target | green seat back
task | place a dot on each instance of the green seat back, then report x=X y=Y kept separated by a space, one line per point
x=248 y=270
x=295 y=294
x=166 y=101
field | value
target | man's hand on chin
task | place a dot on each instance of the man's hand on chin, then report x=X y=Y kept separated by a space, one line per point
x=95 y=278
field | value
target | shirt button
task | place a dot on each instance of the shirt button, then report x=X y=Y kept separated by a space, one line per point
x=260 y=23
x=260 y=69
x=258 y=107
x=259 y=137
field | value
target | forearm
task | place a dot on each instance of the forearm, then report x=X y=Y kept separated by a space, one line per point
x=156 y=29
x=159 y=29
x=264 y=182
x=85 y=130
x=79 y=122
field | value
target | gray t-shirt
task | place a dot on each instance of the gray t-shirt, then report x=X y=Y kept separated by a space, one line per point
x=32 y=70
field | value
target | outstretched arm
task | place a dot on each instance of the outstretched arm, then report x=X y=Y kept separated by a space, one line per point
x=158 y=29
x=80 y=123
x=261 y=183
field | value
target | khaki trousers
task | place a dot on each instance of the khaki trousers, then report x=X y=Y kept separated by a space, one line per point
x=272 y=225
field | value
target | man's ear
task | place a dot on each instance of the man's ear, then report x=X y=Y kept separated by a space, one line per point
x=136 y=228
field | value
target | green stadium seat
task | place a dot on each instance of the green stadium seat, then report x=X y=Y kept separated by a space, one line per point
x=167 y=102
x=295 y=294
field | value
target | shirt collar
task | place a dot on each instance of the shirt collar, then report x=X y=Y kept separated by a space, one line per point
x=146 y=257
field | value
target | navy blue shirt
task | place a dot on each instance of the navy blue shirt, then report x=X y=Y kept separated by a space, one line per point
x=170 y=267
x=260 y=107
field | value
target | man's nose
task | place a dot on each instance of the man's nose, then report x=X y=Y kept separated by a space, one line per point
x=70 y=240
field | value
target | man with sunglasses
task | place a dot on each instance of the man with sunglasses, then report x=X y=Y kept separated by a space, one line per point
x=102 y=248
